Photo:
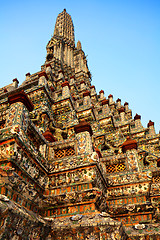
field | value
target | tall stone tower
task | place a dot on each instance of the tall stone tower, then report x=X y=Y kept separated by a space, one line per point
x=74 y=164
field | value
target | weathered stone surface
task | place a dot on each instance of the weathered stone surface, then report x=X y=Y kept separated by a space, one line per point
x=73 y=164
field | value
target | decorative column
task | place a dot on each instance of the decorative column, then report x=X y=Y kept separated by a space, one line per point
x=72 y=80
x=126 y=106
x=72 y=58
x=20 y=105
x=28 y=76
x=15 y=82
x=110 y=97
x=93 y=91
x=151 y=128
x=60 y=51
x=105 y=106
x=137 y=120
x=87 y=99
x=55 y=50
x=101 y=93
x=60 y=75
x=118 y=103
x=83 y=135
x=82 y=85
x=68 y=50
x=42 y=78
x=65 y=89
x=122 y=113
x=130 y=148
x=48 y=68
x=65 y=53
x=56 y=53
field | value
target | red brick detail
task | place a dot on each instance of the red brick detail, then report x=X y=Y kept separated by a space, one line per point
x=52 y=88
x=121 y=110
x=129 y=144
x=48 y=65
x=150 y=123
x=110 y=95
x=5 y=90
x=21 y=97
x=60 y=71
x=101 y=91
x=158 y=162
x=74 y=98
x=43 y=73
x=15 y=80
x=126 y=103
x=118 y=100
x=72 y=77
x=82 y=82
x=105 y=101
x=66 y=83
x=92 y=87
x=87 y=93
x=49 y=136
x=98 y=152
x=137 y=117
x=82 y=127
x=28 y=74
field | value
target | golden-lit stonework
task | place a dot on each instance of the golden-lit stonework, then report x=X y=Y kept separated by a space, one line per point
x=74 y=164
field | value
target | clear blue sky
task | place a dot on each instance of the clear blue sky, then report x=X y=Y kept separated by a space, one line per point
x=120 y=37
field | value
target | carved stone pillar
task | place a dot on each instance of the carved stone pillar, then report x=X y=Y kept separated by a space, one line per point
x=110 y=97
x=65 y=89
x=122 y=114
x=55 y=50
x=48 y=68
x=28 y=76
x=15 y=82
x=82 y=85
x=72 y=80
x=60 y=51
x=151 y=128
x=83 y=135
x=105 y=106
x=93 y=91
x=137 y=120
x=130 y=148
x=42 y=78
x=20 y=105
x=87 y=99
x=65 y=54
x=101 y=94
x=118 y=103
x=126 y=106
x=72 y=58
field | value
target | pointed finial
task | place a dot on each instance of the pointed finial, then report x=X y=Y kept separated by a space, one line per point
x=79 y=46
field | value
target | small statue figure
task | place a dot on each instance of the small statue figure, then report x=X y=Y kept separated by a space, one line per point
x=59 y=133
x=35 y=117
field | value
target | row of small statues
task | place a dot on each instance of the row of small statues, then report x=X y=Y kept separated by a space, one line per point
x=41 y=120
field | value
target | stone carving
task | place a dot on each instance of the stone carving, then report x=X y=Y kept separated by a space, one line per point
x=59 y=133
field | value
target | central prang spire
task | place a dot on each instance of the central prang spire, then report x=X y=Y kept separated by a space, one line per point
x=62 y=44
x=64 y=27
x=61 y=47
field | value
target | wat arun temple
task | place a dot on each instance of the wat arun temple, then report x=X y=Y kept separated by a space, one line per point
x=74 y=163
